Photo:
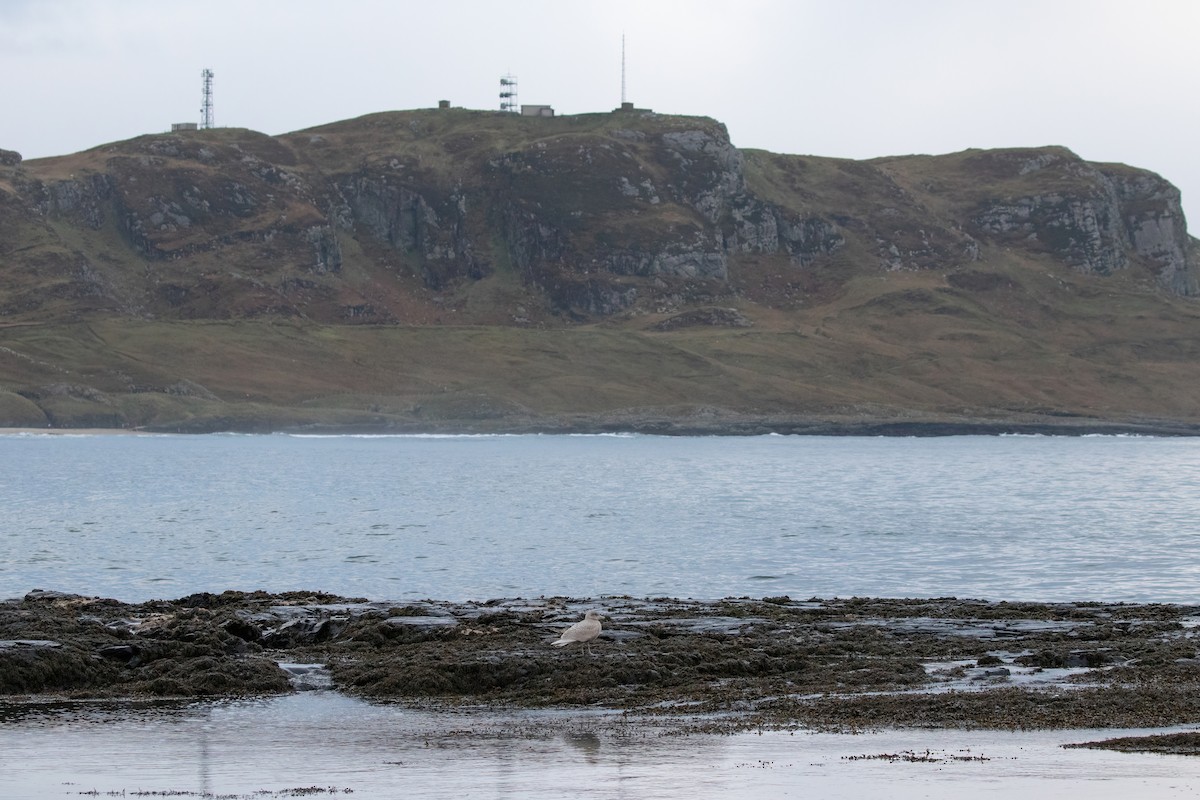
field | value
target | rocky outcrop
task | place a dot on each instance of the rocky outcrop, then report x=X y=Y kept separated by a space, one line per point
x=1102 y=221
x=327 y=251
x=758 y=227
x=579 y=226
x=708 y=317
x=392 y=213
x=674 y=260
x=683 y=216
x=595 y=216
x=1153 y=220
x=591 y=295
x=711 y=180
x=83 y=200
x=9 y=158
x=709 y=171
x=1084 y=231
x=400 y=215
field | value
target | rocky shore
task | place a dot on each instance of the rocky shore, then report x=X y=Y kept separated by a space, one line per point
x=724 y=665
x=716 y=424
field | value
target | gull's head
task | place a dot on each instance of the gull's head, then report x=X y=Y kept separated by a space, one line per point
x=593 y=614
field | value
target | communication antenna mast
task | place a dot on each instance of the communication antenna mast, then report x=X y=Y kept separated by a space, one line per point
x=622 y=69
x=508 y=93
x=206 y=109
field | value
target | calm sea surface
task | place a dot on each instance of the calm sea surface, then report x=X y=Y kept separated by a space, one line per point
x=460 y=518
x=299 y=745
x=478 y=517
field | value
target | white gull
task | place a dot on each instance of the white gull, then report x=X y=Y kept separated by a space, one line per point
x=584 y=631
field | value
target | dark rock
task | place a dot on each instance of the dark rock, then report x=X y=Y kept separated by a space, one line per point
x=118 y=652
x=242 y=629
x=1088 y=658
x=712 y=317
x=994 y=673
x=44 y=595
x=1186 y=743
x=327 y=250
x=421 y=622
x=305 y=630
x=307 y=677
x=13 y=644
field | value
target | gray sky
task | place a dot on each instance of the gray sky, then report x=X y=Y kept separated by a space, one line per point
x=1114 y=80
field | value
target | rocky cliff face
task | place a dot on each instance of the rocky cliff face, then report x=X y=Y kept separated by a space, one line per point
x=1102 y=219
x=396 y=216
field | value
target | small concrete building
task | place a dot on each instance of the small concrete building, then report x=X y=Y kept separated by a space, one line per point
x=537 y=111
x=184 y=126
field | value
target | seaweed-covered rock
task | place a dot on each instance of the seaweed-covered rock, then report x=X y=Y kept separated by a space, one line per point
x=79 y=646
x=775 y=661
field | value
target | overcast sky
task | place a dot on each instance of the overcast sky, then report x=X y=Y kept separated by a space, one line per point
x=1112 y=80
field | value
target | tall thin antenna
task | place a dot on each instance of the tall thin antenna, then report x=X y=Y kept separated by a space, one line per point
x=206 y=109
x=622 y=69
x=508 y=93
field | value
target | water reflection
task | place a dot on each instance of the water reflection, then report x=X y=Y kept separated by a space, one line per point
x=588 y=744
x=331 y=744
x=70 y=712
x=205 y=760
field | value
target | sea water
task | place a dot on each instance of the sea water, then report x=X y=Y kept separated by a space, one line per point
x=138 y=517
x=319 y=744
x=458 y=518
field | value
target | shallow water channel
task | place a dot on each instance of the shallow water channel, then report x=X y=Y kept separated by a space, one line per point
x=326 y=744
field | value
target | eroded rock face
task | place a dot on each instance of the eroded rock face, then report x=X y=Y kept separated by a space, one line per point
x=84 y=199
x=1157 y=229
x=762 y=228
x=327 y=251
x=1085 y=231
x=9 y=158
x=416 y=219
x=710 y=170
x=1115 y=217
x=685 y=220
x=594 y=220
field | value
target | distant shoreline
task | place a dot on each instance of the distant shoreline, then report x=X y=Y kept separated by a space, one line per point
x=70 y=431
x=673 y=427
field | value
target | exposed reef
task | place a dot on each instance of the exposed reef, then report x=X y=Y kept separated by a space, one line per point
x=835 y=664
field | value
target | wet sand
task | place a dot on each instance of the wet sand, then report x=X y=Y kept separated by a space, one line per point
x=728 y=665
